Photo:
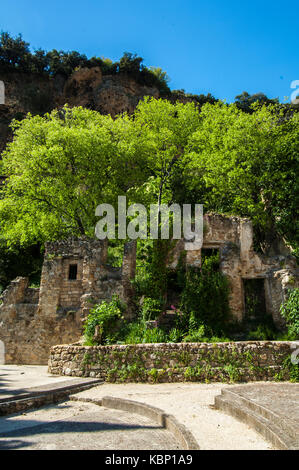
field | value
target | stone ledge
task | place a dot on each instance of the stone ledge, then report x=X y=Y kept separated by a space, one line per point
x=273 y=424
x=38 y=397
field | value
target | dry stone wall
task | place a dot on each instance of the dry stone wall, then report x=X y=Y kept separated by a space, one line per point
x=174 y=362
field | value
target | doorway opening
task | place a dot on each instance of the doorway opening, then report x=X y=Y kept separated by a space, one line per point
x=255 y=302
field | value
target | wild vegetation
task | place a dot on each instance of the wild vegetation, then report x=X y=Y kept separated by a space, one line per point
x=290 y=311
x=16 y=56
x=60 y=166
x=237 y=159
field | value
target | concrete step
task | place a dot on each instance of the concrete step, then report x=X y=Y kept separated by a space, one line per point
x=40 y=396
x=287 y=425
x=279 y=433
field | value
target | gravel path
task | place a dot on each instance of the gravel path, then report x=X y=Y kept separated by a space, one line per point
x=192 y=405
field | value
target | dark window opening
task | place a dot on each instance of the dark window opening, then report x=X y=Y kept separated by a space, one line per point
x=208 y=252
x=211 y=258
x=255 y=303
x=73 y=272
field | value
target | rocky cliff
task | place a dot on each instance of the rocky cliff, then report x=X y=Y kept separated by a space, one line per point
x=87 y=87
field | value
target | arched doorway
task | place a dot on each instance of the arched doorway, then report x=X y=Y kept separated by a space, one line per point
x=2 y=353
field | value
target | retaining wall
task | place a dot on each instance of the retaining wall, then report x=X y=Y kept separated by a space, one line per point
x=175 y=362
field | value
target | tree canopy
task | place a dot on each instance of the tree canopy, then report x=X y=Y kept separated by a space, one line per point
x=59 y=167
x=15 y=55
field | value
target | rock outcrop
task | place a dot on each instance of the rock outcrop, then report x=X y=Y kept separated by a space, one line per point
x=38 y=94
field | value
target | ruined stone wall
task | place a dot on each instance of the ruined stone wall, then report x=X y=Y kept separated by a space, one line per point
x=233 y=236
x=174 y=362
x=33 y=320
x=71 y=289
x=26 y=335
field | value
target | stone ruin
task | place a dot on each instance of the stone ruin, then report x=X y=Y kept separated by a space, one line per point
x=233 y=237
x=75 y=276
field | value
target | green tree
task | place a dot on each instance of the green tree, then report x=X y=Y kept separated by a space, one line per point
x=14 y=52
x=290 y=311
x=130 y=63
x=59 y=168
x=245 y=100
x=246 y=164
x=160 y=74
x=162 y=132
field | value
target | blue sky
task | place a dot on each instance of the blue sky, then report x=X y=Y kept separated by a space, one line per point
x=221 y=47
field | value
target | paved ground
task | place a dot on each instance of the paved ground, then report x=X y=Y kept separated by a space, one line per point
x=58 y=426
x=192 y=405
x=15 y=380
x=82 y=426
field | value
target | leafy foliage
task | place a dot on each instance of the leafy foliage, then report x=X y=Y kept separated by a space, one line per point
x=59 y=168
x=204 y=300
x=246 y=164
x=230 y=161
x=105 y=317
x=15 y=55
x=261 y=333
x=151 y=309
x=290 y=311
x=245 y=101
x=20 y=262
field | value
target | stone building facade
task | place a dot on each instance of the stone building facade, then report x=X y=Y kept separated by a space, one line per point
x=76 y=275
x=233 y=237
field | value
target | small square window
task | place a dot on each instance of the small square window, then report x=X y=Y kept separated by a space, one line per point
x=73 y=269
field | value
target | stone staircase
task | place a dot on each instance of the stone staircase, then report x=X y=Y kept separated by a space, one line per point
x=278 y=428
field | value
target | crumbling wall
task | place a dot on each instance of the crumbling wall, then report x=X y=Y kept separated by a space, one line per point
x=233 y=236
x=33 y=320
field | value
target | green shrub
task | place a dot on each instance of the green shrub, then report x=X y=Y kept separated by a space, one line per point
x=134 y=333
x=138 y=333
x=154 y=335
x=175 y=335
x=104 y=318
x=205 y=297
x=262 y=333
x=195 y=335
x=232 y=372
x=290 y=311
x=151 y=309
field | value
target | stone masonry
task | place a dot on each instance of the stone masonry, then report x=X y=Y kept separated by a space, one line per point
x=174 y=362
x=233 y=237
x=75 y=276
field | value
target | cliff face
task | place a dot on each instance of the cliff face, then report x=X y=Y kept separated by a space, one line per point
x=108 y=94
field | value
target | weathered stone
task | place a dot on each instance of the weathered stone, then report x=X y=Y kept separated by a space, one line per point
x=33 y=320
x=233 y=236
x=75 y=276
x=171 y=366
